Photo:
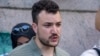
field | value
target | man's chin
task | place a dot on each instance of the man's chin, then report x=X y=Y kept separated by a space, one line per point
x=53 y=45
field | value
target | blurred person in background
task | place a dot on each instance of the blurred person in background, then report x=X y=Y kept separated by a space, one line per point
x=95 y=51
x=21 y=34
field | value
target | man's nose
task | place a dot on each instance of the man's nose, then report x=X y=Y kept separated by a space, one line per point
x=54 y=29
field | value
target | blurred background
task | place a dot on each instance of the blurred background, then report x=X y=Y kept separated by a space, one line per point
x=78 y=28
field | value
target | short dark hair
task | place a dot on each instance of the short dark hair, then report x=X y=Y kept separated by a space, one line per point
x=47 y=5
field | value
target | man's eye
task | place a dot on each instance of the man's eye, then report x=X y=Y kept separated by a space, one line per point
x=48 y=25
x=58 y=25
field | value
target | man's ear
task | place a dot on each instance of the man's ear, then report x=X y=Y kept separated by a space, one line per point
x=34 y=26
x=97 y=21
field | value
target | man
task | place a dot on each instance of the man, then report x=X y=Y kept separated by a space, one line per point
x=96 y=50
x=47 y=26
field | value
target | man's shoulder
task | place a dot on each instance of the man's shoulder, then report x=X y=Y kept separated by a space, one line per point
x=22 y=50
x=61 y=52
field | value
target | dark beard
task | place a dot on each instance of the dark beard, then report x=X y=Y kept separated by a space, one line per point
x=46 y=43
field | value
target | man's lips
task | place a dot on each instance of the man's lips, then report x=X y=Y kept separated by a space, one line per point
x=54 y=38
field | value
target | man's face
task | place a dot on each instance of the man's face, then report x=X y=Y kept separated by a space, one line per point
x=49 y=28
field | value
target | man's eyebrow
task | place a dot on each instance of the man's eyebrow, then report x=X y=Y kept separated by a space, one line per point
x=58 y=22
x=51 y=22
x=47 y=22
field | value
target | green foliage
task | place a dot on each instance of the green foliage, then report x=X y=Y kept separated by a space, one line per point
x=5 y=43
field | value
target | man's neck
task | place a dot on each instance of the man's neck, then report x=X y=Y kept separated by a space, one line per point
x=45 y=50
